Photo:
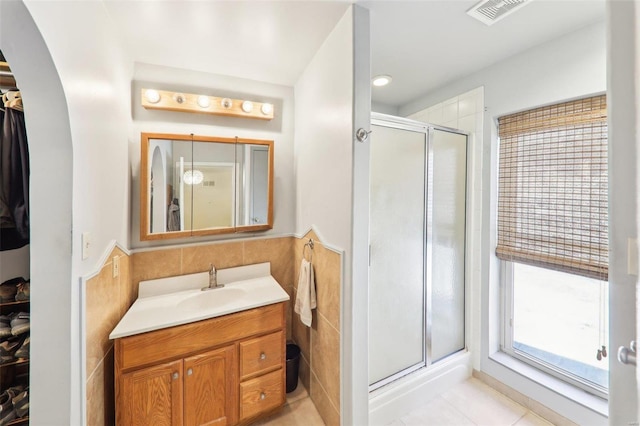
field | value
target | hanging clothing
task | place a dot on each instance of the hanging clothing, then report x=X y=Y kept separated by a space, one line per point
x=173 y=222
x=14 y=178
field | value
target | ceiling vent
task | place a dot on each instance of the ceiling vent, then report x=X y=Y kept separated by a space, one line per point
x=491 y=11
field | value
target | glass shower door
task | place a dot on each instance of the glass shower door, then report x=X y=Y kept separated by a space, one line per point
x=447 y=184
x=397 y=253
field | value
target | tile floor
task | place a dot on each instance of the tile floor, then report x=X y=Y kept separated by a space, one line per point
x=298 y=410
x=469 y=403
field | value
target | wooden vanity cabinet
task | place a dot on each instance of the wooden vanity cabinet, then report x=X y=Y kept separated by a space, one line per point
x=221 y=371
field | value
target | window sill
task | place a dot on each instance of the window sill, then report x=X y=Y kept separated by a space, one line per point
x=594 y=403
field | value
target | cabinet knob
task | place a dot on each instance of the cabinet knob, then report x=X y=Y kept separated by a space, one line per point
x=189 y=372
x=175 y=376
x=263 y=395
x=263 y=356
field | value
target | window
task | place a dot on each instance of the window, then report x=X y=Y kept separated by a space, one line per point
x=553 y=239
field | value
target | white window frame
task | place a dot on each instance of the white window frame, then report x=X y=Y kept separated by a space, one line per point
x=506 y=340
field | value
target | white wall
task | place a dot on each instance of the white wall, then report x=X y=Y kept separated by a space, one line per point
x=280 y=130
x=323 y=148
x=324 y=97
x=49 y=138
x=570 y=67
x=96 y=76
x=384 y=108
x=88 y=58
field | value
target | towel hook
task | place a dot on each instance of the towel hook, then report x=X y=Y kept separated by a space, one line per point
x=309 y=244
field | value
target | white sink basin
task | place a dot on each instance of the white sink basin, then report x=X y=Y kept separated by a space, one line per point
x=168 y=302
x=212 y=298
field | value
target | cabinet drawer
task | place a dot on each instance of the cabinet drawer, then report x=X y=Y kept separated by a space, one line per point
x=262 y=394
x=261 y=354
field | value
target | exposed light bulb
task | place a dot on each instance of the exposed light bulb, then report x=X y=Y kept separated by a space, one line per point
x=152 y=96
x=247 y=106
x=266 y=109
x=203 y=101
x=381 y=80
x=226 y=103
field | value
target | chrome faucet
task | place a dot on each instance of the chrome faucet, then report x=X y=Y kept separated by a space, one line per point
x=213 y=279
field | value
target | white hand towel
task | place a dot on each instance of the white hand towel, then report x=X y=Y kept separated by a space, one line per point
x=306 y=295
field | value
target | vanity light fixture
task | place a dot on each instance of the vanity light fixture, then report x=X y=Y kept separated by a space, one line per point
x=193 y=177
x=203 y=101
x=190 y=102
x=266 y=109
x=381 y=80
x=152 y=96
x=247 y=106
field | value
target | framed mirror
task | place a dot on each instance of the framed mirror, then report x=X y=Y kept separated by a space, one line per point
x=200 y=185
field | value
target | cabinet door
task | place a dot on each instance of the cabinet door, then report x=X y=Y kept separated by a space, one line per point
x=152 y=396
x=210 y=384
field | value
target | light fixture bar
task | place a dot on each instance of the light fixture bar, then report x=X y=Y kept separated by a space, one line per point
x=188 y=102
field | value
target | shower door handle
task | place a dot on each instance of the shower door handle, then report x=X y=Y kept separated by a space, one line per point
x=627 y=355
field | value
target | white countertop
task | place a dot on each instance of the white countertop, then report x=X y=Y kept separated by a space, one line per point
x=158 y=311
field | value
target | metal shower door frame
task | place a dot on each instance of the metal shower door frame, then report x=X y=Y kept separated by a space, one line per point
x=390 y=121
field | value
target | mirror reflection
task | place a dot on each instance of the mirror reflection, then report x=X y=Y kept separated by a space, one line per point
x=195 y=185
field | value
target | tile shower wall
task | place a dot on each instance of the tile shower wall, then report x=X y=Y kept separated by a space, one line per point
x=107 y=300
x=320 y=344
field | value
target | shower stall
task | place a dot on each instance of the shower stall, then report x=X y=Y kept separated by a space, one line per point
x=418 y=194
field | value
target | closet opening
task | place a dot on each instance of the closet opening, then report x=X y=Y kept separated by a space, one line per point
x=15 y=255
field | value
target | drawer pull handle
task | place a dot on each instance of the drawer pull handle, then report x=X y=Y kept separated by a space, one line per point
x=175 y=376
x=189 y=372
x=263 y=395
x=263 y=356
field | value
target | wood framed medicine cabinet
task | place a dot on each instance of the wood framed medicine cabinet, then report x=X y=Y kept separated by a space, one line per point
x=193 y=185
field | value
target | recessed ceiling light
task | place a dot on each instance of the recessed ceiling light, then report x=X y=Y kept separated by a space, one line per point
x=381 y=80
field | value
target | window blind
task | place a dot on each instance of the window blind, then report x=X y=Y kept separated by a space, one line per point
x=552 y=188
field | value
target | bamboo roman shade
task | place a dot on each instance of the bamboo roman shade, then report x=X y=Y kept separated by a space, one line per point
x=552 y=196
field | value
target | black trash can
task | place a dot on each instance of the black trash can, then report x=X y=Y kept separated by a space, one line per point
x=293 y=364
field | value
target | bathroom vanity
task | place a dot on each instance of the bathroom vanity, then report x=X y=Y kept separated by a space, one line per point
x=193 y=357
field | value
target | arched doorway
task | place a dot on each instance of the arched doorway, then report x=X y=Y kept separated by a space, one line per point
x=54 y=378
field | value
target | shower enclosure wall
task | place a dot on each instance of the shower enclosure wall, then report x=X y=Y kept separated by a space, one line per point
x=417 y=246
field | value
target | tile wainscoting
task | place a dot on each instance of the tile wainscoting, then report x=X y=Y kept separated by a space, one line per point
x=106 y=301
x=320 y=344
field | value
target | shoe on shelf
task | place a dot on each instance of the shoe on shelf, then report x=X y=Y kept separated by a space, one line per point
x=20 y=323
x=5 y=326
x=23 y=291
x=21 y=403
x=8 y=349
x=7 y=413
x=13 y=391
x=9 y=288
x=23 y=350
